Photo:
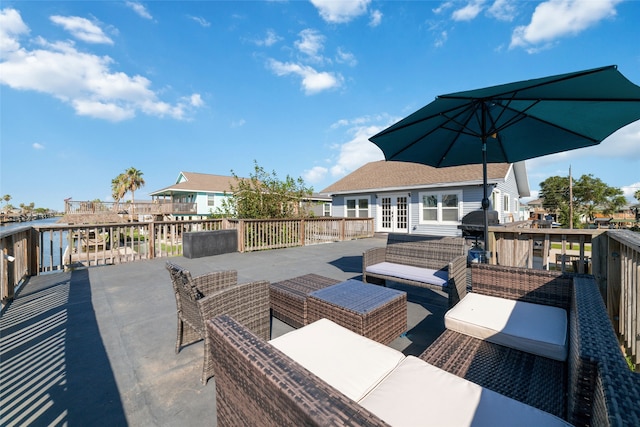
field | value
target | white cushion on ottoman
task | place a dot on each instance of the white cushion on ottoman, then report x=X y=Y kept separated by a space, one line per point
x=418 y=394
x=534 y=328
x=418 y=274
x=345 y=360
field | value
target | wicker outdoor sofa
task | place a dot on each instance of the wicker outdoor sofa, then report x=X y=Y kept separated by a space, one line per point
x=257 y=384
x=418 y=260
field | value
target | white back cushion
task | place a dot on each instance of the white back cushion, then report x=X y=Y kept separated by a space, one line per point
x=345 y=360
x=419 y=394
x=534 y=328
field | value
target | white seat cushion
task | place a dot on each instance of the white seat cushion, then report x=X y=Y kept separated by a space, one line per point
x=345 y=360
x=534 y=328
x=417 y=394
x=418 y=274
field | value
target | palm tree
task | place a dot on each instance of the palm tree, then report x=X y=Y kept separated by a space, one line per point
x=133 y=181
x=6 y=199
x=118 y=188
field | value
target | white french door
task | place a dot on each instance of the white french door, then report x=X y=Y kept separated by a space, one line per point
x=394 y=214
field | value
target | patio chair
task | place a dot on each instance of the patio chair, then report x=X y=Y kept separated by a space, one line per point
x=209 y=295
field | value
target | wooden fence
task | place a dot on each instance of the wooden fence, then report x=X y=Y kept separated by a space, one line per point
x=30 y=251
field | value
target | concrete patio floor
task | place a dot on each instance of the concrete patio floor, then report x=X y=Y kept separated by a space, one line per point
x=96 y=346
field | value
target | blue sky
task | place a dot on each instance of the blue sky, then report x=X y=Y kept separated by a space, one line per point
x=90 y=88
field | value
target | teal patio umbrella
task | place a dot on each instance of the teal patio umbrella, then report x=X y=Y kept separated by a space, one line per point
x=514 y=121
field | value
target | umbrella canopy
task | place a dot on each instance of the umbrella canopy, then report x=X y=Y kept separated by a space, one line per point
x=515 y=121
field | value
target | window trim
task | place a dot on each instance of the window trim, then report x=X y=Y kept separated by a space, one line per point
x=439 y=195
x=357 y=208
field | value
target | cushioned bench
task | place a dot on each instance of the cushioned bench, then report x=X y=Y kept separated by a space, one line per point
x=418 y=260
x=534 y=328
x=401 y=391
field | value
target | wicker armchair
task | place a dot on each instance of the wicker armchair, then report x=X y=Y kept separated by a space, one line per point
x=207 y=296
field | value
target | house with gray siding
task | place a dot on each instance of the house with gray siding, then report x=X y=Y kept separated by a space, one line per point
x=407 y=197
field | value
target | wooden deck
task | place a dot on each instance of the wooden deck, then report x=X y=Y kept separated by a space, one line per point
x=96 y=346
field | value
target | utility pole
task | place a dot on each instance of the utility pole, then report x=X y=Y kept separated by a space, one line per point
x=570 y=200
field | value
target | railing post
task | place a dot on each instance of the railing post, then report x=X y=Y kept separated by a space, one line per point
x=33 y=252
x=343 y=229
x=302 y=232
x=241 y=235
x=152 y=240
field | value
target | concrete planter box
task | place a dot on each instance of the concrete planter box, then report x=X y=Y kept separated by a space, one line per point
x=207 y=243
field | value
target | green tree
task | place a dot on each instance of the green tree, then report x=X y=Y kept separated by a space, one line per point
x=118 y=188
x=636 y=195
x=264 y=195
x=555 y=192
x=134 y=181
x=593 y=196
x=6 y=198
x=590 y=197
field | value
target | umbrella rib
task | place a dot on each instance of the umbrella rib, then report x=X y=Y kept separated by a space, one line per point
x=443 y=114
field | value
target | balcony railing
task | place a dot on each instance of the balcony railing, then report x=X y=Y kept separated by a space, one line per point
x=156 y=207
x=30 y=251
x=612 y=256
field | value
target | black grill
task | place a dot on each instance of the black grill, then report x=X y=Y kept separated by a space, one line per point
x=473 y=223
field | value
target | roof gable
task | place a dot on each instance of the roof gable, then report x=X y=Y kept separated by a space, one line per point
x=384 y=174
x=200 y=182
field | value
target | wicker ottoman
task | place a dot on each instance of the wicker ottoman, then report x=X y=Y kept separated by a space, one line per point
x=289 y=297
x=372 y=311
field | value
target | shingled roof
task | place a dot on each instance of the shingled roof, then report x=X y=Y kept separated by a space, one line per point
x=402 y=175
x=202 y=182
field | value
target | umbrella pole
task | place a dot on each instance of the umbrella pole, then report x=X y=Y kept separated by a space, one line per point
x=485 y=198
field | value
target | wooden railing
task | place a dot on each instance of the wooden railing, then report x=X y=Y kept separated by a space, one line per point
x=623 y=279
x=142 y=208
x=30 y=251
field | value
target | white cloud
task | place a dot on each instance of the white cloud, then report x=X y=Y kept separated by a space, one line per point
x=557 y=18
x=358 y=151
x=468 y=12
x=38 y=146
x=140 y=9
x=82 y=29
x=503 y=10
x=315 y=175
x=340 y=12
x=376 y=18
x=11 y=27
x=203 y=22
x=345 y=57
x=238 y=123
x=311 y=43
x=196 y=100
x=313 y=81
x=270 y=39
x=82 y=80
x=629 y=192
x=441 y=39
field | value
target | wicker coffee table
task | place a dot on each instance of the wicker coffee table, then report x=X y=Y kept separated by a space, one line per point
x=289 y=297
x=375 y=312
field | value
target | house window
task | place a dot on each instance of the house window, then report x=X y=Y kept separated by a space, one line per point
x=505 y=203
x=211 y=200
x=326 y=209
x=357 y=208
x=441 y=206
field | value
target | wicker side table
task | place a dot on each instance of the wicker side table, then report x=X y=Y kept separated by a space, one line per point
x=372 y=311
x=289 y=297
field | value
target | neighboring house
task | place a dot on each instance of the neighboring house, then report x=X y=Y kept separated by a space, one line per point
x=205 y=190
x=415 y=198
x=208 y=193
